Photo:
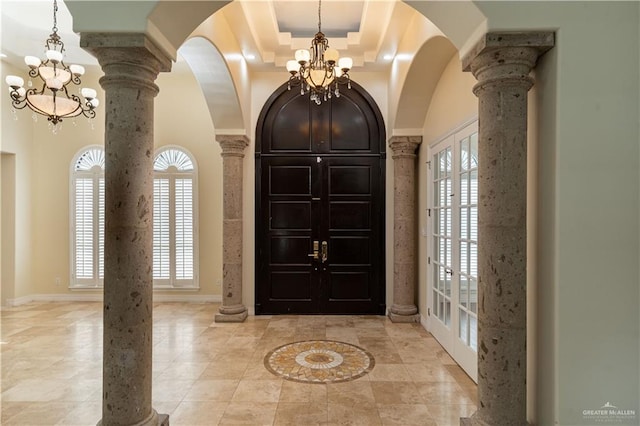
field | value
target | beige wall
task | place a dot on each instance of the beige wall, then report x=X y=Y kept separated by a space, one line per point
x=16 y=138
x=7 y=226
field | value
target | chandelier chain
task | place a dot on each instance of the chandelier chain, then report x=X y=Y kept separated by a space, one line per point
x=319 y=16
x=55 y=19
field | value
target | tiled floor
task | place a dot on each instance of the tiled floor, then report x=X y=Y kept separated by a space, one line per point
x=207 y=374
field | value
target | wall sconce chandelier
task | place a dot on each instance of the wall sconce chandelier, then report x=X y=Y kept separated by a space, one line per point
x=53 y=99
x=319 y=70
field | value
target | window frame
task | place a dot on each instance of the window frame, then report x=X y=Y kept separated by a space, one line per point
x=96 y=281
x=172 y=173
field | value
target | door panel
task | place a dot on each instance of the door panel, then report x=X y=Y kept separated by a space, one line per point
x=291 y=118
x=340 y=208
x=453 y=246
x=320 y=185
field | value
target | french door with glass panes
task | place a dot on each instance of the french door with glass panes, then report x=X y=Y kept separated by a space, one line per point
x=453 y=246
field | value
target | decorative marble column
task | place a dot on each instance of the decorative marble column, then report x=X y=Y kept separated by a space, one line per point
x=131 y=63
x=232 y=309
x=501 y=63
x=404 y=149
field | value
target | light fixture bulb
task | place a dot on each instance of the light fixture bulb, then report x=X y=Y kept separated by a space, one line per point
x=20 y=90
x=94 y=102
x=54 y=56
x=76 y=69
x=32 y=61
x=88 y=93
x=345 y=64
x=293 y=66
x=14 y=81
x=331 y=56
x=302 y=56
x=54 y=84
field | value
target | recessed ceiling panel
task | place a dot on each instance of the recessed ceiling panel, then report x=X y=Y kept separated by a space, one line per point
x=300 y=18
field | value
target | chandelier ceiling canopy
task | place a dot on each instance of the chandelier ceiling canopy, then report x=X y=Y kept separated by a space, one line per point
x=319 y=70
x=52 y=99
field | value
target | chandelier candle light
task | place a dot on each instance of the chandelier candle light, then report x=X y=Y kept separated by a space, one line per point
x=52 y=99
x=319 y=70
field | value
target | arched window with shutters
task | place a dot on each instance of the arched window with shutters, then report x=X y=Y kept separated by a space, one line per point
x=87 y=218
x=175 y=237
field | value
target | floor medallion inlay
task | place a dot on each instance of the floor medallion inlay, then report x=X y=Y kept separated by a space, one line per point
x=319 y=361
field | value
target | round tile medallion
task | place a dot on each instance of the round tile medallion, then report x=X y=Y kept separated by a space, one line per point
x=319 y=361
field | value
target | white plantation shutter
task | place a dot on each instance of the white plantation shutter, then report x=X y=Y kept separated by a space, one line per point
x=184 y=229
x=87 y=220
x=174 y=222
x=84 y=228
x=161 y=230
x=101 y=228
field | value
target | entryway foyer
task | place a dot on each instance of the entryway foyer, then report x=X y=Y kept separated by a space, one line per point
x=207 y=373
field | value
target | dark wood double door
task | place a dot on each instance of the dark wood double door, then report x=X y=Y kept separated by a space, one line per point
x=320 y=206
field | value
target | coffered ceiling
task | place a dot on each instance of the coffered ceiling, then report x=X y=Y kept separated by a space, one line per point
x=366 y=30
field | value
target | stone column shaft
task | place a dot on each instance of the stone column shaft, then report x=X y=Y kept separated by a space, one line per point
x=232 y=309
x=501 y=63
x=404 y=149
x=131 y=64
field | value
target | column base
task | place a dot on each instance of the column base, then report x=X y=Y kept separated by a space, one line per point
x=154 y=419
x=239 y=317
x=474 y=421
x=404 y=318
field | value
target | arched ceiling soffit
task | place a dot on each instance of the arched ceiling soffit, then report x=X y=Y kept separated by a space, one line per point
x=213 y=75
x=462 y=22
x=421 y=81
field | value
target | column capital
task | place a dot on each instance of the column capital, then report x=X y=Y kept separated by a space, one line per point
x=127 y=59
x=135 y=48
x=233 y=145
x=404 y=146
x=506 y=58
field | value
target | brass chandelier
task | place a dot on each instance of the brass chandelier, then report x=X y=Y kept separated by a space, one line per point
x=52 y=99
x=319 y=70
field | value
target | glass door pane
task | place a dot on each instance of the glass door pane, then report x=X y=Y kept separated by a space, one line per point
x=468 y=241
x=442 y=235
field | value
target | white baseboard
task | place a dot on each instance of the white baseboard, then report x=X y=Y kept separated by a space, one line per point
x=97 y=297
x=188 y=298
x=19 y=301
x=423 y=322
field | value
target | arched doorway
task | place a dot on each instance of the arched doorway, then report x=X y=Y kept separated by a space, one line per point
x=320 y=197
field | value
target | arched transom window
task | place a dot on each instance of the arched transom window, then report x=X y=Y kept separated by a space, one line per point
x=174 y=219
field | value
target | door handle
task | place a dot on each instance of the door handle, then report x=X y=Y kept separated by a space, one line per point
x=315 y=253
x=325 y=251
